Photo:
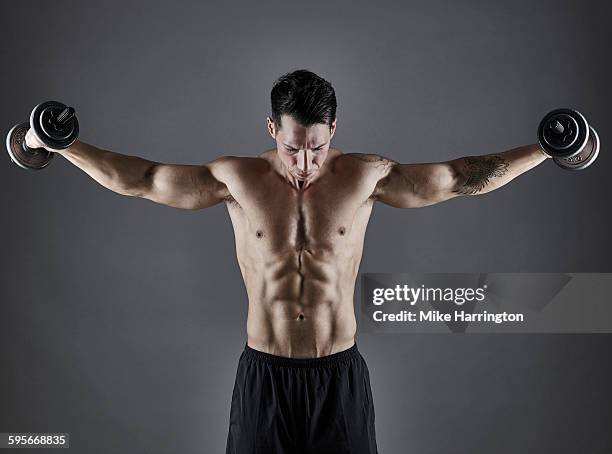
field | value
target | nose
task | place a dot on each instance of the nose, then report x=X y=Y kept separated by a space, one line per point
x=304 y=162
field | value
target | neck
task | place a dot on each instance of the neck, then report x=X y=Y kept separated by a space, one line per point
x=300 y=185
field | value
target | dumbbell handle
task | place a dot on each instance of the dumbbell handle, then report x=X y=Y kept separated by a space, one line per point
x=65 y=115
x=557 y=126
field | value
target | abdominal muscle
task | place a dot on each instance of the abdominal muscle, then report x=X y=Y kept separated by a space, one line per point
x=301 y=306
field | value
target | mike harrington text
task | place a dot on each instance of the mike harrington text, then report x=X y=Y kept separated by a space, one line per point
x=456 y=316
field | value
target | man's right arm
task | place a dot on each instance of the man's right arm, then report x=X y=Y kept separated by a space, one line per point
x=181 y=186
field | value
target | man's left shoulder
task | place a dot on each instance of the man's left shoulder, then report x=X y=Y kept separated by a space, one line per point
x=365 y=161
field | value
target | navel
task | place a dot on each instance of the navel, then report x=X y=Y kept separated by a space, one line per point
x=342 y=230
x=259 y=234
x=301 y=317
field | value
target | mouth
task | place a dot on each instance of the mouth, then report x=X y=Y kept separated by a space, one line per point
x=303 y=176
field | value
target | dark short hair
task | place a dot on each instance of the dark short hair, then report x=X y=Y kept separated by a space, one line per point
x=306 y=97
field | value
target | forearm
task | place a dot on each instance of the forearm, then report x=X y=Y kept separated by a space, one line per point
x=120 y=173
x=482 y=174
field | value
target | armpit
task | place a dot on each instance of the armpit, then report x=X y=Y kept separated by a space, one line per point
x=230 y=201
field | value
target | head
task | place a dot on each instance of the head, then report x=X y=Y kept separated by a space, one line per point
x=303 y=121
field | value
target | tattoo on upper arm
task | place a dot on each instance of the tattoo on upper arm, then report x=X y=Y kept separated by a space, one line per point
x=479 y=170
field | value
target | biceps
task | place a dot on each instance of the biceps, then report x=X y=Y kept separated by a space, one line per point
x=417 y=185
x=184 y=186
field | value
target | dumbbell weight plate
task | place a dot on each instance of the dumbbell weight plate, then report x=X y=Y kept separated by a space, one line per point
x=50 y=133
x=26 y=158
x=560 y=146
x=585 y=158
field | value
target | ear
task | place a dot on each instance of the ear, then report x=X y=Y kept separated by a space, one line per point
x=271 y=127
x=332 y=128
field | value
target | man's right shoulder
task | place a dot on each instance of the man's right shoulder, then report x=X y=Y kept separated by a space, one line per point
x=231 y=167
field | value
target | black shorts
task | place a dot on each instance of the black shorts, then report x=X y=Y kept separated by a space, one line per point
x=288 y=405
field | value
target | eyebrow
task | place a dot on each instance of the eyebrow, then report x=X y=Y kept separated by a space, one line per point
x=295 y=148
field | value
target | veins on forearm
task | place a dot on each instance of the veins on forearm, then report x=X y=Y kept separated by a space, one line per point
x=479 y=171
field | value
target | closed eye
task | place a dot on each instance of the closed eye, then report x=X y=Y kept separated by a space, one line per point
x=314 y=149
x=293 y=150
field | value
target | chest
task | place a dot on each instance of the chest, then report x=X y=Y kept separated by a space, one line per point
x=278 y=216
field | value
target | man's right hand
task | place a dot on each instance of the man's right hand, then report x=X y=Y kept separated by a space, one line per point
x=33 y=141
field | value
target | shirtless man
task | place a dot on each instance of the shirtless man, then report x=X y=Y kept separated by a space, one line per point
x=299 y=213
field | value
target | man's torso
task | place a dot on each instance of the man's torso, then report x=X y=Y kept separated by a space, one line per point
x=299 y=252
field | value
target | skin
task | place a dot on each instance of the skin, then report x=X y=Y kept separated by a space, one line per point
x=299 y=213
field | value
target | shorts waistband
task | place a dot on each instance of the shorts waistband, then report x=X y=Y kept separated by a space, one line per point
x=334 y=358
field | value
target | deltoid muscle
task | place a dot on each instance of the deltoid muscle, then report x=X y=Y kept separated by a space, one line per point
x=383 y=165
x=478 y=172
x=379 y=160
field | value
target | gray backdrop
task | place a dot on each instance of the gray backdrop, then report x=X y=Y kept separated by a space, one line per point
x=122 y=321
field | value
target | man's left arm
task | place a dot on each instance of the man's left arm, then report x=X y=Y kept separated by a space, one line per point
x=418 y=185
